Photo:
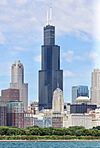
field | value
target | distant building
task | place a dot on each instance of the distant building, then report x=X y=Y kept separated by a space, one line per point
x=95 y=87
x=42 y=121
x=15 y=114
x=28 y=119
x=58 y=101
x=79 y=90
x=82 y=108
x=57 y=120
x=3 y=114
x=96 y=117
x=84 y=120
x=67 y=108
x=17 y=82
x=10 y=95
x=38 y=121
x=83 y=99
x=34 y=107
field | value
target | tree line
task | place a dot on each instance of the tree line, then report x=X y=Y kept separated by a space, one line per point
x=37 y=131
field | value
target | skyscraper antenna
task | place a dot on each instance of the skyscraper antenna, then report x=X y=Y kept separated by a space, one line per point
x=49 y=14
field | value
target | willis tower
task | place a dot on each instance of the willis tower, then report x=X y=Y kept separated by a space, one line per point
x=50 y=75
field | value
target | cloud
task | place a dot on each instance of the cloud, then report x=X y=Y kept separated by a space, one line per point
x=17 y=50
x=93 y=56
x=69 y=74
x=97 y=19
x=71 y=56
x=3 y=2
x=75 y=17
x=21 y=2
x=97 y=58
x=68 y=56
x=5 y=69
x=37 y=58
x=2 y=38
x=69 y=17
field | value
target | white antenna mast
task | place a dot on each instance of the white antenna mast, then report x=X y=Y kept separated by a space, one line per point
x=49 y=14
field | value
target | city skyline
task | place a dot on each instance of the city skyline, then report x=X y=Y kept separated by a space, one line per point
x=21 y=38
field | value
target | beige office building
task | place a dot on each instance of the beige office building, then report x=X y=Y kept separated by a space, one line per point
x=17 y=82
x=58 y=101
x=95 y=87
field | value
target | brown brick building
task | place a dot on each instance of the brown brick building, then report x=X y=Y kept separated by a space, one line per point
x=10 y=95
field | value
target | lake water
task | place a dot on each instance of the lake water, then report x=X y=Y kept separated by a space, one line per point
x=49 y=144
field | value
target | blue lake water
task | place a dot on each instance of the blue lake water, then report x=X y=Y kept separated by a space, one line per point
x=49 y=144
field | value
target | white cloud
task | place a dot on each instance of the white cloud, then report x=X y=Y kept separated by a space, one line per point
x=2 y=38
x=16 y=50
x=71 y=56
x=21 y=2
x=97 y=33
x=97 y=58
x=68 y=16
x=68 y=73
x=68 y=56
x=5 y=69
x=37 y=58
x=75 y=17
x=93 y=56
x=3 y=2
x=19 y=49
x=97 y=19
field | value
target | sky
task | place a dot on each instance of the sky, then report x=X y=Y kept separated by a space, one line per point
x=77 y=33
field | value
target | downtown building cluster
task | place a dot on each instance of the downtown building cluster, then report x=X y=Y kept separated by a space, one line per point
x=50 y=110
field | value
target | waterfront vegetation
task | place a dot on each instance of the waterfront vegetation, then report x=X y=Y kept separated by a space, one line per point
x=37 y=133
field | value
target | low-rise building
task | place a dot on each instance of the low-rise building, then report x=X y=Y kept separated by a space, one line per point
x=57 y=120
x=95 y=117
x=28 y=119
x=84 y=120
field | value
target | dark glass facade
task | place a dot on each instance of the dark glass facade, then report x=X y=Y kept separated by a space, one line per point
x=79 y=91
x=82 y=108
x=50 y=75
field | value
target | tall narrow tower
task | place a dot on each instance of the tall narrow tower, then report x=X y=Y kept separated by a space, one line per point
x=95 y=87
x=17 y=82
x=50 y=75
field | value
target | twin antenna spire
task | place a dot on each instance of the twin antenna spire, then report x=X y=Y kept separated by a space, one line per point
x=49 y=15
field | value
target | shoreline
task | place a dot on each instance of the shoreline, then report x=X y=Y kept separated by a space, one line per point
x=76 y=140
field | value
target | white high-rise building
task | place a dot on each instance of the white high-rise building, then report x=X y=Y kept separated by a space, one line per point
x=95 y=87
x=17 y=82
x=58 y=101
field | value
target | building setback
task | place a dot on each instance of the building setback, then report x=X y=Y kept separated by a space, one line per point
x=9 y=95
x=50 y=75
x=17 y=82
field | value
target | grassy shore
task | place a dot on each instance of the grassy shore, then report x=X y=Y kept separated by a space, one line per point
x=37 y=133
x=49 y=138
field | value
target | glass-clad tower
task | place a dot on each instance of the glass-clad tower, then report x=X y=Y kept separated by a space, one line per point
x=79 y=90
x=50 y=75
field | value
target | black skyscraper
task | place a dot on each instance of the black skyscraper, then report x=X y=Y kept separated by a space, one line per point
x=50 y=75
